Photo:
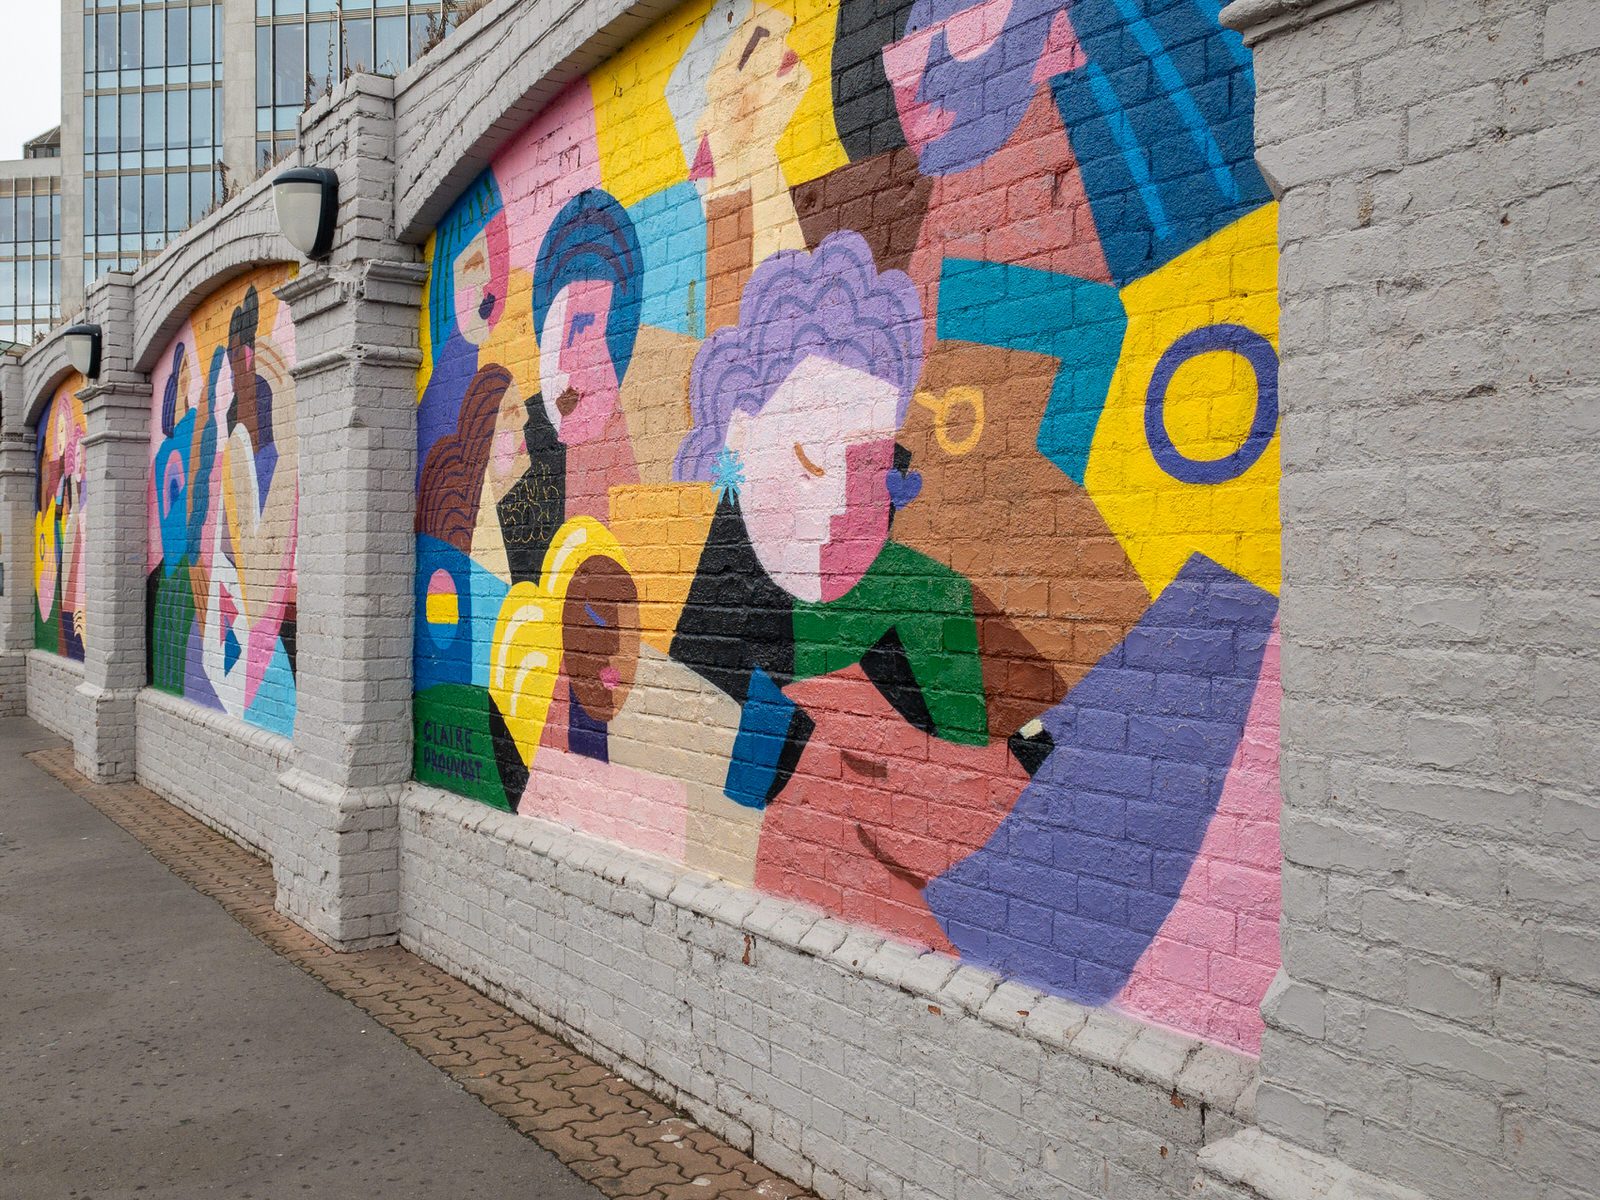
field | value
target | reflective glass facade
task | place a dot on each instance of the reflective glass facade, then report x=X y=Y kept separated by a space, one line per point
x=152 y=126
x=30 y=256
x=304 y=46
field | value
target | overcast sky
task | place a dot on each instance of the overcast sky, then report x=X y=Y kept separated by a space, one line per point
x=30 y=71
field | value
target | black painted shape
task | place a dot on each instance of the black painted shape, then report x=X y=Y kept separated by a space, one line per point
x=863 y=102
x=508 y=763
x=534 y=508
x=1031 y=751
x=735 y=618
x=801 y=726
x=889 y=668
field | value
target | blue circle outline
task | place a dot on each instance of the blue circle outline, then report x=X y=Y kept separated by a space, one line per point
x=1234 y=339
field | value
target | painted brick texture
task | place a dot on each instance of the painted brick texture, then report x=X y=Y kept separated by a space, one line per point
x=223 y=503
x=847 y=464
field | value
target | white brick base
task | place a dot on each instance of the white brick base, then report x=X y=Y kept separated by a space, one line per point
x=53 y=698
x=853 y=1064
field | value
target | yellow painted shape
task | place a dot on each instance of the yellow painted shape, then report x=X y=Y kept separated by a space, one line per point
x=425 y=327
x=662 y=528
x=809 y=147
x=525 y=657
x=1231 y=278
x=514 y=343
x=443 y=608
x=44 y=555
x=640 y=153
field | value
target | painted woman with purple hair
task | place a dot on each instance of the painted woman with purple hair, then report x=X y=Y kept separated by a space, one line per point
x=796 y=409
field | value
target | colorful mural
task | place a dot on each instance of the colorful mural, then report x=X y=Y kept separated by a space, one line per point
x=224 y=506
x=60 y=617
x=848 y=463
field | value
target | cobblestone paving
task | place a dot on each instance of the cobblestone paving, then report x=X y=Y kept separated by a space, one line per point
x=618 y=1138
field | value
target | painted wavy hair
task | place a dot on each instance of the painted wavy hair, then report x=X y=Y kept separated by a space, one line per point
x=832 y=303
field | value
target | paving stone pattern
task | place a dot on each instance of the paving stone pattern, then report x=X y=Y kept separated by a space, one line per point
x=608 y=1132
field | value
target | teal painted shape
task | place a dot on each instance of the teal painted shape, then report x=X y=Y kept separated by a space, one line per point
x=1078 y=321
x=274 y=703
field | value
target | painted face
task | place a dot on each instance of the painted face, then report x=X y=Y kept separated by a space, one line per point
x=876 y=808
x=509 y=458
x=600 y=636
x=478 y=293
x=814 y=498
x=752 y=95
x=964 y=74
x=576 y=373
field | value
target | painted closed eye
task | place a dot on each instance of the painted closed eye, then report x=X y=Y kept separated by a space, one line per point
x=805 y=461
x=971 y=33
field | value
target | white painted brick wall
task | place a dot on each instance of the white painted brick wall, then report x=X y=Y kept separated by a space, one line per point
x=857 y=1065
x=1441 y=610
x=53 y=698
x=215 y=767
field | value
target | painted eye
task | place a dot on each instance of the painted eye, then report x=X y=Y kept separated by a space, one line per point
x=972 y=32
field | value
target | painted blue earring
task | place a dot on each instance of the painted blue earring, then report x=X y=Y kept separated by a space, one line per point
x=727 y=473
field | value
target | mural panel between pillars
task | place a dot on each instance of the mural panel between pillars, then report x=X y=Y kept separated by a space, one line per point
x=847 y=462
x=222 y=504
x=60 y=524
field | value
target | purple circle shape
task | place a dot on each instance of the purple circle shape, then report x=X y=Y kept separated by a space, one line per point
x=1255 y=350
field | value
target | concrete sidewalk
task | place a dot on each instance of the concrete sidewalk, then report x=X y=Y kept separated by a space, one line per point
x=152 y=1047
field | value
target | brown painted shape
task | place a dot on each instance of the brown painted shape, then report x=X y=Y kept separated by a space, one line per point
x=730 y=250
x=883 y=198
x=655 y=399
x=1053 y=589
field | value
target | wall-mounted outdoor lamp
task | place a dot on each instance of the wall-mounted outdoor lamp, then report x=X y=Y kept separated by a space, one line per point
x=83 y=349
x=307 y=199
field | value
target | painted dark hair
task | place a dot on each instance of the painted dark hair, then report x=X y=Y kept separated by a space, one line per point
x=452 y=478
x=592 y=237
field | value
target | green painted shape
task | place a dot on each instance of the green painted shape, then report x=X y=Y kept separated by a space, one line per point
x=453 y=746
x=170 y=626
x=929 y=607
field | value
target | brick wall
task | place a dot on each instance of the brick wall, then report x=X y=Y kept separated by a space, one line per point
x=1440 y=749
x=853 y=1063
x=53 y=699
x=851 y=470
x=223 y=506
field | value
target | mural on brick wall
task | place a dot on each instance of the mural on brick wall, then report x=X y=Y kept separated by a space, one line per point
x=848 y=464
x=224 y=506
x=60 y=617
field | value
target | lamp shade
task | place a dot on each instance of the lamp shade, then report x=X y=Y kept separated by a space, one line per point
x=83 y=349
x=307 y=200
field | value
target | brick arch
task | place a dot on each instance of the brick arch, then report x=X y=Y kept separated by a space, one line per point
x=42 y=373
x=236 y=239
x=458 y=106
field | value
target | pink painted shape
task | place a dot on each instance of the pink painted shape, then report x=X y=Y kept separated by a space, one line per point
x=550 y=161
x=856 y=535
x=608 y=800
x=1211 y=962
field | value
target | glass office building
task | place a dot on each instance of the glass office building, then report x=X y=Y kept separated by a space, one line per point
x=303 y=47
x=152 y=127
x=30 y=241
x=158 y=98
